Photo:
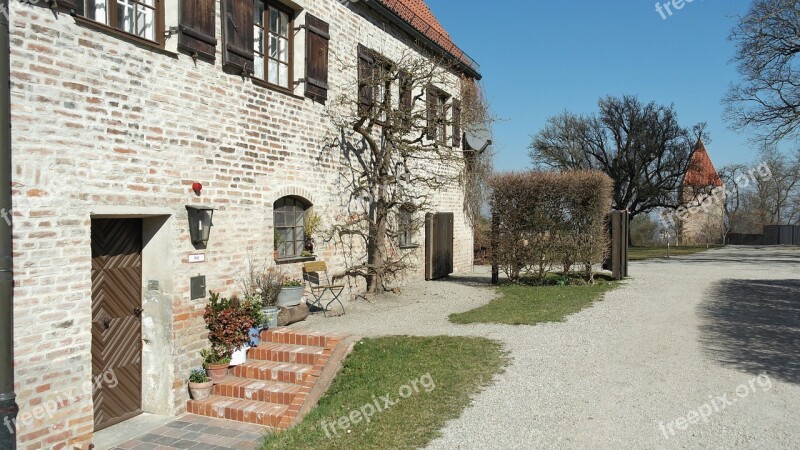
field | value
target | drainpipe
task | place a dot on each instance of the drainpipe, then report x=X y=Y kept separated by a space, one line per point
x=8 y=404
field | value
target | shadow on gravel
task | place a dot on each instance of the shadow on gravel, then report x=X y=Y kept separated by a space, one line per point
x=754 y=326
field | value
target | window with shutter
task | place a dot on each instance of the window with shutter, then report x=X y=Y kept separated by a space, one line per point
x=140 y=18
x=274 y=44
x=366 y=62
x=237 y=28
x=317 y=40
x=197 y=27
x=406 y=96
x=436 y=104
x=456 y=123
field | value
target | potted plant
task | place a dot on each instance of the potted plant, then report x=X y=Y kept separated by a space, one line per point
x=312 y=224
x=216 y=365
x=200 y=385
x=291 y=293
x=228 y=322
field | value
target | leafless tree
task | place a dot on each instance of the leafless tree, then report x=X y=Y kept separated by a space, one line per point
x=399 y=133
x=640 y=146
x=768 y=45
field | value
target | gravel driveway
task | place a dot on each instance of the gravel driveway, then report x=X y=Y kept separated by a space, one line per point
x=670 y=359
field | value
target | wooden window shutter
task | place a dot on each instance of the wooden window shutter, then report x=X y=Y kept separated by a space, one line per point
x=237 y=29
x=456 y=123
x=198 y=19
x=406 y=96
x=72 y=5
x=430 y=104
x=366 y=63
x=317 y=40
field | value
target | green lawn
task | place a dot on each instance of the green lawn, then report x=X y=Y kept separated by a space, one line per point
x=529 y=305
x=446 y=371
x=640 y=253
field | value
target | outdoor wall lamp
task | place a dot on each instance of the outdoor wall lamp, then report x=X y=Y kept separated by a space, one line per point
x=200 y=223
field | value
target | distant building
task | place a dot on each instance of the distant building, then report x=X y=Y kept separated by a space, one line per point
x=703 y=221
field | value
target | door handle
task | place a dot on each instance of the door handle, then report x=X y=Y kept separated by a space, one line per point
x=137 y=312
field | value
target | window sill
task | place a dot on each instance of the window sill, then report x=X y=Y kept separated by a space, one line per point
x=296 y=259
x=410 y=247
x=89 y=23
x=272 y=87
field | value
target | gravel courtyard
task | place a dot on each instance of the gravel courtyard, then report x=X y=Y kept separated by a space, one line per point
x=670 y=359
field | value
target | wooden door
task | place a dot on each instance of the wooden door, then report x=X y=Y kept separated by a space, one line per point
x=116 y=320
x=438 y=245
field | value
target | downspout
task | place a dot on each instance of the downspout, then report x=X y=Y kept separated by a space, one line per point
x=8 y=404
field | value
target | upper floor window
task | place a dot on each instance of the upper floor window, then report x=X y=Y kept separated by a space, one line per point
x=290 y=221
x=273 y=43
x=141 y=18
x=437 y=114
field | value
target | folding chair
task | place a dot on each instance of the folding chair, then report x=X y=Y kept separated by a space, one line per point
x=312 y=272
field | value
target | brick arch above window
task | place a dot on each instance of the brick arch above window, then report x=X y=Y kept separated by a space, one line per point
x=294 y=191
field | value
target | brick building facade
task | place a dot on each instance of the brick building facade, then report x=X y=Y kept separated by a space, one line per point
x=109 y=125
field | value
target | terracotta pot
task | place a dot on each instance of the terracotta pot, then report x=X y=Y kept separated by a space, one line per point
x=217 y=372
x=200 y=391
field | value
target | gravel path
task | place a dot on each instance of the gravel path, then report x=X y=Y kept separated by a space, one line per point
x=684 y=338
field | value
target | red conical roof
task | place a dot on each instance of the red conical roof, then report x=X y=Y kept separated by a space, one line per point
x=702 y=172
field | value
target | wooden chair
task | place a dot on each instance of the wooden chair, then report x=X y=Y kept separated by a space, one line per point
x=313 y=273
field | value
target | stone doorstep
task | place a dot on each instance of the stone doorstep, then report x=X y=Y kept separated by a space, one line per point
x=259 y=390
x=272 y=391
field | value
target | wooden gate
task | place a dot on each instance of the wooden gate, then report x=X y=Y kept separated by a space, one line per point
x=116 y=320
x=438 y=245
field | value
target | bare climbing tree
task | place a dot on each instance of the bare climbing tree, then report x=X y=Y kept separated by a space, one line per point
x=399 y=128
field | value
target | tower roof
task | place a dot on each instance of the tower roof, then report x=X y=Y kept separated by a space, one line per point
x=701 y=171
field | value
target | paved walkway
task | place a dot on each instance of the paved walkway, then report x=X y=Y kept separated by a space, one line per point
x=198 y=433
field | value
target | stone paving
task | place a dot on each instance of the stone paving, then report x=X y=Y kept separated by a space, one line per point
x=198 y=433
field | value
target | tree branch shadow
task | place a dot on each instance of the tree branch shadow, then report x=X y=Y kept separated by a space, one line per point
x=754 y=326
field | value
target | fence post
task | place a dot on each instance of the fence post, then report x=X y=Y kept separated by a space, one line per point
x=493 y=248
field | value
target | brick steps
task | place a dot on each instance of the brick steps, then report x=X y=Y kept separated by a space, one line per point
x=259 y=390
x=248 y=411
x=272 y=387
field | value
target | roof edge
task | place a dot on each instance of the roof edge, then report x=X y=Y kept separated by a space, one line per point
x=470 y=69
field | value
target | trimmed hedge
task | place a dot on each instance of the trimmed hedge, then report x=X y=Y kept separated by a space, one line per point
x=542 y=219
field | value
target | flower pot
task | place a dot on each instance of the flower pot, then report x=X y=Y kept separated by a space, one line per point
x=217 y=372
x=270 y=314
x=239 y=356
x=201 y=391
x=290 y=296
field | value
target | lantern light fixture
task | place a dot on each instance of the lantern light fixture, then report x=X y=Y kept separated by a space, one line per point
x=200 y=223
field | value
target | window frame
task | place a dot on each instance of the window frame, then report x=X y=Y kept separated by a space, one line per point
x=265 y=24
x=298 y=231
x=111 y=9
x=405 y=229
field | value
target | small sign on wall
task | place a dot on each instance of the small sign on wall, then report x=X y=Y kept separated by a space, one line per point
x=197 y=258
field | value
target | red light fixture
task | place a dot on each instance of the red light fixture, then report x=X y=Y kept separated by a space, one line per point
x=197 y=187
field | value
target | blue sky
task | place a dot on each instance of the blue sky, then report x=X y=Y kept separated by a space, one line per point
x=539 y=58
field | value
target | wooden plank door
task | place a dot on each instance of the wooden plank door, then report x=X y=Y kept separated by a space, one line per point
x=116 y=320
x=438 y=245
